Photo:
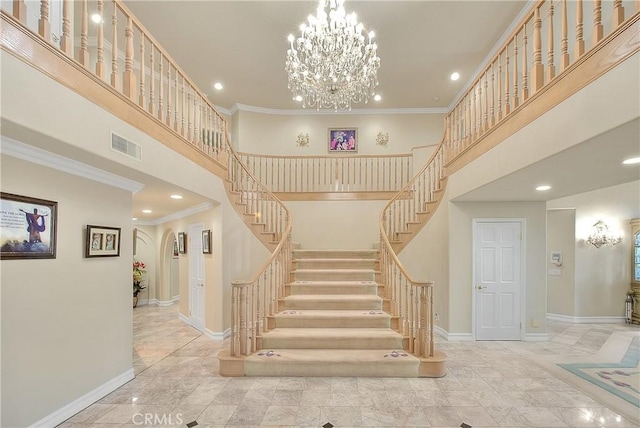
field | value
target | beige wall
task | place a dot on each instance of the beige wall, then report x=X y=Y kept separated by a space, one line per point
x=277 y=134
x=461 y=256
x=336 y=224
x=561 y=236
x=602 y=275
x=66 y=322
x=426 y=258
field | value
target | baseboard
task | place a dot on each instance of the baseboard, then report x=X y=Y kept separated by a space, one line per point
x=163 y=303
x=586 y=320
x=452 y=337
x=217 y=335
x=142 y=302
x=184 y=318
x=535 y=337
x=85 y=401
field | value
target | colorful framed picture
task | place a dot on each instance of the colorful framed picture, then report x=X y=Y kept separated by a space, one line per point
x=102 y=241
x=343 y=140
x=206 y=241
x=182 y=243
x=27 y=227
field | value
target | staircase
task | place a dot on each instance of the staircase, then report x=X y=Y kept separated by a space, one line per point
x=332 y=322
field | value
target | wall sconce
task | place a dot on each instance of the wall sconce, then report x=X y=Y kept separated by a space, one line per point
x=600 y=235
x=382 y=139
x=303 y=140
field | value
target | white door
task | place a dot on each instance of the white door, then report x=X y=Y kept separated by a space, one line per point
x=497 y=280
x=196 y=276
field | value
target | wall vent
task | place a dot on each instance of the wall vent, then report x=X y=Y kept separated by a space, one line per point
x=126 y=147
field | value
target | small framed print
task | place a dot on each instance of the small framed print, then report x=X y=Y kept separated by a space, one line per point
x=343 y=140
x=182 y=243
x=27 y=227
x=206 y=241
x=102 y=241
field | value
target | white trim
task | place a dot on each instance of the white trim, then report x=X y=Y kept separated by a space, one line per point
x=453 y=337
x=523 y=267
x=184 y=318
x=535 y=337
x=11 y=147
x=489 y=56
x=312 y=112
x=440 y=331
x=142 y=302
x=84 y=401
x=163 y=303
x=177 y=215
x=586 y=320
x=217 y=335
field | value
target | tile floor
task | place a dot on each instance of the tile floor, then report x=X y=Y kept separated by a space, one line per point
x=489 y=384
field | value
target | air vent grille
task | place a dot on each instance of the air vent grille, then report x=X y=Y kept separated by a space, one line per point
x=126 y=147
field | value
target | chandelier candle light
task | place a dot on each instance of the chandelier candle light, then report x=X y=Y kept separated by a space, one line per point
x=330 y=65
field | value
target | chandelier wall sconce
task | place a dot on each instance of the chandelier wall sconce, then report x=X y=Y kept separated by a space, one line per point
x=333 y=63
x=382 y=138
x=303 y=140
x=600 y=236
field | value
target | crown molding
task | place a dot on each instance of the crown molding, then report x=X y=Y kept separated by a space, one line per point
x=176 y=216
x=16 y=149
x=311 y=112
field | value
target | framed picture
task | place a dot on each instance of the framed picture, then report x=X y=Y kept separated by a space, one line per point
x=206 y=241
x=175 y=248
x=343 y=140
x=102 y=241
x=27 y=227
x=182 y=241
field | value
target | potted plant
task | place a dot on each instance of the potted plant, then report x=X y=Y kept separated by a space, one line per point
x=138 y=273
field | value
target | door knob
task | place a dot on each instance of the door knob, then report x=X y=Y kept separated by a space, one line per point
x=480 y=287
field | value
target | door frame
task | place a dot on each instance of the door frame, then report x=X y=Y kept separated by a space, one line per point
x=523 y=269
x=189 y=255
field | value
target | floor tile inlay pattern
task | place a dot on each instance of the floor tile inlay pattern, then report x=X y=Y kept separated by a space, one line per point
x=488 y=384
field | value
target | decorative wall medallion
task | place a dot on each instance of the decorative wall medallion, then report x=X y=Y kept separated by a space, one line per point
x=303 y=140
x=382 y=138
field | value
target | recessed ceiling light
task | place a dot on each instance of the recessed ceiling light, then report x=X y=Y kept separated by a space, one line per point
x=176 y=196
x=217 y=85
x=134 y=218
x=147 y=211
x=543 y=188
x=377 y=97
x=436 y=98
x=631 y=161
x=97 y=18
x=455 y=76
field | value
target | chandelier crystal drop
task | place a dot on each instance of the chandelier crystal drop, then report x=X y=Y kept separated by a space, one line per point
x=332 y=64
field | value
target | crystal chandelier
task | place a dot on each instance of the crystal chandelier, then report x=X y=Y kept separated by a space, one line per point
x=330 y=65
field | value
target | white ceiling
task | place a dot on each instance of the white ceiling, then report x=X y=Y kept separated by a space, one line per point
x=243 y=44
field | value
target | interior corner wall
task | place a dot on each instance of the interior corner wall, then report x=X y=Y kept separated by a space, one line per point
x=66 y=322
x=275 y=134
x=602 y=275
x=561 y=236
x=461 y=256
x=426 y=258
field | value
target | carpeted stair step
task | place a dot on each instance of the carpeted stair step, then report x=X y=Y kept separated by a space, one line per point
x=368 y=302
x=335 y=254
x=332 y=287
x=345 y=263
x=333 y=275
x=331 y=338
x=332 y=319
x=332 y=362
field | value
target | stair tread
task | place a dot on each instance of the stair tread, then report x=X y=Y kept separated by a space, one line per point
x=332 y=283
x=337 y=333
x=332 y=259
x=332 y=270
x=329 y=297
x=331 y=313
x=341 y=356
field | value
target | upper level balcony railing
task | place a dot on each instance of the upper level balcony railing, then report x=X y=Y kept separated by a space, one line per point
x=331 y=173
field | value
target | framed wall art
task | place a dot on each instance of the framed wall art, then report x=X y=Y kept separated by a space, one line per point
x=27 y=227
x=182 y=243
x=343 y=140
x=102 y=241
x=206 y=241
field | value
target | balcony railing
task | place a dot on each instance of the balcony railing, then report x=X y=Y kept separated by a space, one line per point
x=342 y=174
